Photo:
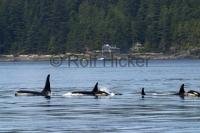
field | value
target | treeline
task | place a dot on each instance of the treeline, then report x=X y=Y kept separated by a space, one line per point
x=59 y=26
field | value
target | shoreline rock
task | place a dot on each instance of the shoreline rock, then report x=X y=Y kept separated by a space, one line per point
x=153 y=56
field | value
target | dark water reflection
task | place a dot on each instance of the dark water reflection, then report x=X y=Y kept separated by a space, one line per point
x=157 y=112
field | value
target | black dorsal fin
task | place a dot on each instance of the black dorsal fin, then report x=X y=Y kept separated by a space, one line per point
x=47 y=87
x=142 y=92
x=95 y=89
x=181 y=91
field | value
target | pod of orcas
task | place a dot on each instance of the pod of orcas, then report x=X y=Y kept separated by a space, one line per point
x=46 y=92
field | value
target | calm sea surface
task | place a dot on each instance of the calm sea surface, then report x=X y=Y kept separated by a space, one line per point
x=157 y=112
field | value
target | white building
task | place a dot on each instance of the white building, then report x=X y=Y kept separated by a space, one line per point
x=106 y=48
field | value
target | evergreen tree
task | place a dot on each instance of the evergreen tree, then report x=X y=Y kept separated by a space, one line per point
x=59 y=26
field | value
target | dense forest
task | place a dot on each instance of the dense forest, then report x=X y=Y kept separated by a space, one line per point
x=59 y=26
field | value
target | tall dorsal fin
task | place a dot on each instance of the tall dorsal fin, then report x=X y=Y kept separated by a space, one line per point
x=95 y=89
x=181 y=91
x=47 y=87
x=142 y=92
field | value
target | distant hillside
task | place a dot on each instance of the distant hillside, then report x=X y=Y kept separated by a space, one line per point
x=59 y=26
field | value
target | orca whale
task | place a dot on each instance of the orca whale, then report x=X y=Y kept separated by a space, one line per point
x=94 y=92
x=46 y=92
x=182 y=92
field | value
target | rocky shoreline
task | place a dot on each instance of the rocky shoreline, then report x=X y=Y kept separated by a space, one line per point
x=160 y=56
x=153 y=56
x=10 y=58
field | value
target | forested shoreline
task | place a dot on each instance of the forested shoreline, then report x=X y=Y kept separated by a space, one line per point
x=60 y=26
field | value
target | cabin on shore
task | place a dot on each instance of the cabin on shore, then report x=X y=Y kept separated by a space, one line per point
x=106 y=48
x=137 y=47
x=107 y=51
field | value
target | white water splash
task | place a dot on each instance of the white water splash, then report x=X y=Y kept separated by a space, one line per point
x=104 y=89
x=69 y=94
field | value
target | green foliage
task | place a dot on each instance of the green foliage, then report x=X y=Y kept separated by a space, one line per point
x=59 y=26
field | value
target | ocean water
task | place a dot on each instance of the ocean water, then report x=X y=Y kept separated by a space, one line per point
x=158 y=111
